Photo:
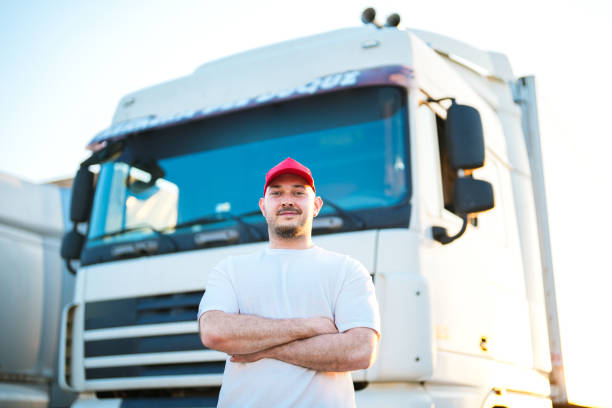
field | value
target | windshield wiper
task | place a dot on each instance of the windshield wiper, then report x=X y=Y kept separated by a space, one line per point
x=205 y=220
x=221 y=217
x=126 y=230
x=344 y=214
x=138 y=227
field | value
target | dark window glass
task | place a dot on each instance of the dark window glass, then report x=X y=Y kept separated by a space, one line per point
x=354 y=141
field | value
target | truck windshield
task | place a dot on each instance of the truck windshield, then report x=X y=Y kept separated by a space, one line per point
x=354 y=141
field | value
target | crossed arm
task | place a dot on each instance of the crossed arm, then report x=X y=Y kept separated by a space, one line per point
x=313 y=343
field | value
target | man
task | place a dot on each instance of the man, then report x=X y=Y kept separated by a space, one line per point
x=295 y=318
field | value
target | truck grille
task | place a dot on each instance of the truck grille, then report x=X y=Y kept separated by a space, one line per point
x=178 y=307
x=155 y=370
x=135 y=345
x=167 y=398
x=134 y=342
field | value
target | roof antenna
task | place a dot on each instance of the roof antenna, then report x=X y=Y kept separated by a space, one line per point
x=369 y=17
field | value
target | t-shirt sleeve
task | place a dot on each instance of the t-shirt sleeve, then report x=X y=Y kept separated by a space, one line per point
x=356 y=305
x=219 y=293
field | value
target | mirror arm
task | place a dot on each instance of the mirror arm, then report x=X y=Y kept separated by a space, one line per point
x=70 y=267
x=440 y=234
x=108 y=152
x=446 y=98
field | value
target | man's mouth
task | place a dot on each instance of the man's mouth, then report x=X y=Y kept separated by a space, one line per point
x=288 y=212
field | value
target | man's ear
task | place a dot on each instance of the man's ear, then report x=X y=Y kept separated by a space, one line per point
x=261 y=207
x=318 y=203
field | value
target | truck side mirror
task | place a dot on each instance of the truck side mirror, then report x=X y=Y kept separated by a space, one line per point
x=464 y=137
x=72 y=245
x=82 y=195
x=80 y=209
x=472 y=196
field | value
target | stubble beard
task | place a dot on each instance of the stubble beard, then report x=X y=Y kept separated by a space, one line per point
x=287 y=231
x=290 y=231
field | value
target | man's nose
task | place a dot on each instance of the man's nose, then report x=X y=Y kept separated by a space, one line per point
x=287 y=203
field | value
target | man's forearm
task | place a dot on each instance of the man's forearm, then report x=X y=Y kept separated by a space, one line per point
x=241 y=334
x=352 y=350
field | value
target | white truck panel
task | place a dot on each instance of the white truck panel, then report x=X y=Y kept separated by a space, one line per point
x=22 y=395
x=491 y=63
x=405 y=349
x=525 y=212
x=525 y=95
x=507 y=331
x=31 y=284
x=23 y=290
x=248 y=74
x=392 y=395
x=461 y=369
x=90 y=402
x=31 y=207
x=150 y=275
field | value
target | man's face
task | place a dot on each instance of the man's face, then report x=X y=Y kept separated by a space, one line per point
x=289 y=206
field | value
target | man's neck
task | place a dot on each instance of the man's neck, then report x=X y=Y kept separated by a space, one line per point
x=303 y=242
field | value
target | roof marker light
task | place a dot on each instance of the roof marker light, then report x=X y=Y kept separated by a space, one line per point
x=369 y=17
x=393 y=20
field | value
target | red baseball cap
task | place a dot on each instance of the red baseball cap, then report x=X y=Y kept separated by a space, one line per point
x=289 y=166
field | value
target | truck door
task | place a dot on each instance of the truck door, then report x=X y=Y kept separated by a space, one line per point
x=479 y=307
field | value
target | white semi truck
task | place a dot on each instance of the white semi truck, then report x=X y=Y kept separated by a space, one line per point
x=34 y=285
x=426 y=153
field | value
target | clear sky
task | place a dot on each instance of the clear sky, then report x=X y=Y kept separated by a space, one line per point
x=65 y=64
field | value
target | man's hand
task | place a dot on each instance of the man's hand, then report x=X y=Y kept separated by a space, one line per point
x=250 y=358
x=244 y=334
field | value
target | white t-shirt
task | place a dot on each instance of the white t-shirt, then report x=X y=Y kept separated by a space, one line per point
x=290 y=283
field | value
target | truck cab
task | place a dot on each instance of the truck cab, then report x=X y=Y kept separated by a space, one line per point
x=418 y=146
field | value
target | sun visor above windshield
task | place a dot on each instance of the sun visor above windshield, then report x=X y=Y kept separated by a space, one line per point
x=386 y=75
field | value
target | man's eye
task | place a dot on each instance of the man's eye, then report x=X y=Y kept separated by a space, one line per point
x=299 y=193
